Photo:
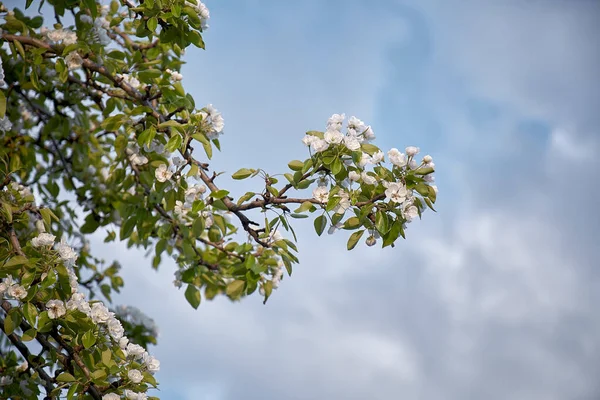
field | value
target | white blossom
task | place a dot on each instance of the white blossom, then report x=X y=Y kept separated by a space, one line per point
x=364 y=160
x=1 y=74
x=368 y=179
x=43 y=239
x=6 y=380
x=22 y=367
x=130 y=80
x=5 y=124
x=123 y=342
x=335 y=121
x=321 y=194
x=214 y=120
x=352 y=142
x=135 y=375
x=354 y=176
x=63 y=36
x=66 y=253
x=135 y=350
x=333 y=137
x=344 y=203
x=309 y=140
x=319 y=145
x=17 y=291
x=410 y=212
x=377 y=157
x=368 y=134
x=175 y=76
x=99 y=313
x=356 y=126
x=115 y=328
x=151 y=363
x=56 y=309
x=5 y=284
x=411 y=151
x=395 y=192
x=73 y=60
x=397 y=158
x=162 y=173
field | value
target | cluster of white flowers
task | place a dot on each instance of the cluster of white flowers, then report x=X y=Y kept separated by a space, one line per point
x=99 y=33
x=135 y=316
x=23 y=191
x=60 y=36
x=11 y=289
x=202 y=11
x=395 y=192
x=277 y=275
x=133 y=152
x=175 y=76
x=43 y=239
x=130 y=80
x=2 y=83
x=5 y=124
x=214 y=121
x=73 y=60
x=356 y=134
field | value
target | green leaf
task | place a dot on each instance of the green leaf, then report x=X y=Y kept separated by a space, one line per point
x=192 y=295
x=424 y=171
x=305 y=206
x=107 y=357
x=15 y=261
x=382 y=222
x=296 y=165
x=423 y=189
x=72 y=390
x=152 y=24
x=219 y=194
x=88 y=339
x=242 y=173
x=320 y=224
x=30 y=313
x=28 y=335
x=65 y=377
x=11 y=322
x=234 y=289
x=196 y=39
x=98 y=374
x=393 y=234
x=2 y=104
x=245 y=197
x=354 y=238
x=352 y=223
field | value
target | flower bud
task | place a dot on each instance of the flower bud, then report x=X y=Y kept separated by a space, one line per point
x=427 y=159
x=371 y=241
x=411 y=151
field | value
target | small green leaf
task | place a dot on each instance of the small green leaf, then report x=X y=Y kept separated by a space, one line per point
x=242 y=173
x=219 y=194
x=352 y=223
x=65 y=377
x=152 y=24
x=305 y=206
x=296 y=165
x=88 y=339
x=234 y=289
x=28 y=335
x=2 y=104
x=354 y=238
x=320 y=224
x=106 y=357
x=192 y=295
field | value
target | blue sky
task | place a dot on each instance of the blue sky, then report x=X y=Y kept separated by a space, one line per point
x=492 y=297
